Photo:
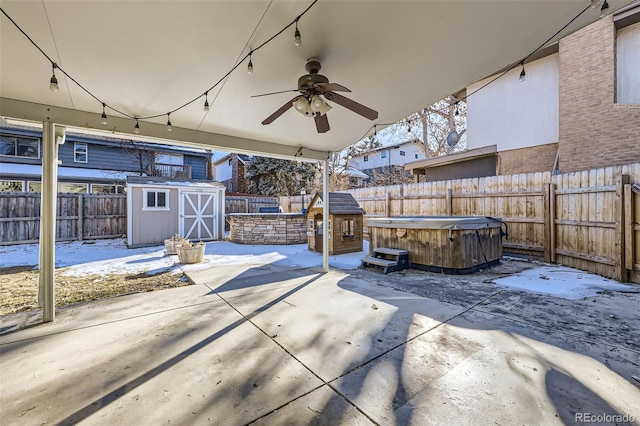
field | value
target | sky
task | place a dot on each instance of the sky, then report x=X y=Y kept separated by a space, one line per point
x=113 y=256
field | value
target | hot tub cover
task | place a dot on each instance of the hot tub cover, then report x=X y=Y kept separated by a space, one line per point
x=435 y=222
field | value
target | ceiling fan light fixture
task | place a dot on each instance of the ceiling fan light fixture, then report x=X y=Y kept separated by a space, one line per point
x=319 y=105
x=302 y=106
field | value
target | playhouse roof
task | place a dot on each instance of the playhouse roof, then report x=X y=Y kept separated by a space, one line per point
x=341 y=203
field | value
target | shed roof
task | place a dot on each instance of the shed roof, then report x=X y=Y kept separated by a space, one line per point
x=163 y=181
x=342 y=203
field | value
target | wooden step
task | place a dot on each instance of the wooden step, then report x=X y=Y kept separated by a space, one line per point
x=379 y=262
x=390 y=251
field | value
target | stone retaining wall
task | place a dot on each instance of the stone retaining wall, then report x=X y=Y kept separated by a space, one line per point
x=268 y=228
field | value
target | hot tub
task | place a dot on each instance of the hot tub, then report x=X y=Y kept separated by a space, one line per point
x=448 y=244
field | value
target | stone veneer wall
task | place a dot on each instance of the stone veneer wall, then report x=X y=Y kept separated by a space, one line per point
x=268 y=228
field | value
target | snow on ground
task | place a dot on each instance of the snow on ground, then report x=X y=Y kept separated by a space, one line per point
x=559 y=281
x=113 y=256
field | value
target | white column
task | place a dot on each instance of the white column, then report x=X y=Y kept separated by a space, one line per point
x=325 y=216
x=49 y=198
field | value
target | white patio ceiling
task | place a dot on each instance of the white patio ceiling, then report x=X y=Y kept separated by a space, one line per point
x=149 y=57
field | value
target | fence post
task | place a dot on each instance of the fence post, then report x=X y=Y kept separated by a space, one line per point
x=449 y=202
x=547 y=222
x=629 y=215
x=387 y=204
x=620 y=271
x=246 y=205
x=80 y=217
x=552 y=222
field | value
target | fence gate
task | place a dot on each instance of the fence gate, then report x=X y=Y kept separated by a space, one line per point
x=198 y=215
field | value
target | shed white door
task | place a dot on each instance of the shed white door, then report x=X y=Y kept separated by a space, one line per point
x=198 y=215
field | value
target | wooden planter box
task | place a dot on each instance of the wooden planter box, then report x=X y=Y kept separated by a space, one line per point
x=193 y=254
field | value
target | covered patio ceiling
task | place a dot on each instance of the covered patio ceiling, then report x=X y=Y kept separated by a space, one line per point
x=149 y=58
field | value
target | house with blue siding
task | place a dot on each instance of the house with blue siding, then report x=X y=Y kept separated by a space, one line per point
x=92 y=163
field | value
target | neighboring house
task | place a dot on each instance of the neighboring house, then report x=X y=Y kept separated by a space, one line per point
x=387 y=157
x=90 y=163
x=355 y=178
x=230 y=171
x=578 y=108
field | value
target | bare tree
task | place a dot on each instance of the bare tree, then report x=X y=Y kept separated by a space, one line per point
x=431 y=125
x=143 y=158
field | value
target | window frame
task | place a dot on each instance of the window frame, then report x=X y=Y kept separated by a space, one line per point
x=76 y=152
x=145 y=199
x=403 y=153
x=365 y=158
x=350 y=233
x=21 y=182
x=16 y=139
x=384 y=153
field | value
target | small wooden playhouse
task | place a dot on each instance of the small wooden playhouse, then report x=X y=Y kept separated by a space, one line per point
x=346 y=221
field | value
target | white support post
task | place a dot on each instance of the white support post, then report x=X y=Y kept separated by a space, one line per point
x=325 y=217
x=49 y=198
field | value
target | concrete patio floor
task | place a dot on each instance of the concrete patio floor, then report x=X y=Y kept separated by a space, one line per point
x=262 y=344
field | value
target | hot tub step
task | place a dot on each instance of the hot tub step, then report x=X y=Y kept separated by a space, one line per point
x=400 y=259
x=390 y=251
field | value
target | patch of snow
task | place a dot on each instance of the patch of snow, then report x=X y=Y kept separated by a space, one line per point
x=113 y=256
x=560 y=281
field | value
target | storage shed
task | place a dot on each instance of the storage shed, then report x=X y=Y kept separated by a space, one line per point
x=346 y=220
x=158 y=208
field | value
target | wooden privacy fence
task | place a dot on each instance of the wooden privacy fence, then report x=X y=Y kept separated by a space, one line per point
x=589 y=220
x=79 y=217
x=246 y=204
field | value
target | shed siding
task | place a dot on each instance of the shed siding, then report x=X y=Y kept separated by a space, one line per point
x=153 y=227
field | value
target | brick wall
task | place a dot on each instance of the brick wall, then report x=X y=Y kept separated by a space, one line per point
x=594 y=130
x=268 y=228
x=526 y=160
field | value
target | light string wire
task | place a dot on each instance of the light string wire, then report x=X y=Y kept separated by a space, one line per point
x=517 y=64
x=133 y=117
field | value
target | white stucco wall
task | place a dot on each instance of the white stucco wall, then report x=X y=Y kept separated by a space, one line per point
x=628 y=65
x=513 y=114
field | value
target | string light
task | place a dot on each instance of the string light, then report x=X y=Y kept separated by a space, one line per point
x=523 y=75
x=604 y=10
x=297 y=37
x=169 y=128
x=594 y=3
x=457 y=110
x=250 y=66
x=408 y=126
x=206 y=102
x=104 y=115
x=136 y=129
x=53 y=83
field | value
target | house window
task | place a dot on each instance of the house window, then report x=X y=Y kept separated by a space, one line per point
x=19 y=146
x=230 y=161
x=11 y=186
x=348 y=229
x=402 y=153
x=366 y=158
x=416 y=155
x=383 y=154
x=156 y=199
x=99 y=188
x=76 y=188
x=80 y=152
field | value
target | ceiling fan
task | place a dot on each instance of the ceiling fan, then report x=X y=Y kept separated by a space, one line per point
x=315 y=90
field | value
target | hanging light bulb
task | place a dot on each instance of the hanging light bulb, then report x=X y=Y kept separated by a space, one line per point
x=53 y=83
x=136 y=129
x=169 y=128
x=604 y=10
x=250 y=66
x=375 y=130
x=523 y=75
x=297 y=37
x=104 y=115
x=595 y=3
x=457 y=110
x=408 y=126
x=206 y=102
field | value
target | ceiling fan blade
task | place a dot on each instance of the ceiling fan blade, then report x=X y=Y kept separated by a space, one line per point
x=274 y=93
x=352 y=105
x=334 y=87
x=322 y=123
x=270 y=119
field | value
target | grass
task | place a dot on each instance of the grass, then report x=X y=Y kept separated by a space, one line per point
x=19 y=287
